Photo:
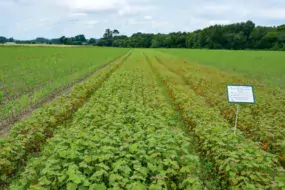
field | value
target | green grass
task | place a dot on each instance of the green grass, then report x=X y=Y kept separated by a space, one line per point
x=265 y=66
x=26 y=68
x=28 y=74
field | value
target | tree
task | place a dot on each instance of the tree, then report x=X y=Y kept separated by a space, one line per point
x=269 y=40
x=80 y=38
x=243 y=35
x=3 y=39
x=248 y=27
x=62 y=40
x=76 y=43
x=116 y=32
x=190 y=40
x=69 y=41
x=41 y=40
x=257 y=35
x=180 y=40
x=202 y=39
x=120 y=41
x=140 y=40
x=283 y=48
x=92 y=41
x=158 y=41
x=108 y=38
x=108 y=34
x=55 y=41
x=11 y=40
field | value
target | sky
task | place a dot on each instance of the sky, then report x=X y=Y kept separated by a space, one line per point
x=28 y=19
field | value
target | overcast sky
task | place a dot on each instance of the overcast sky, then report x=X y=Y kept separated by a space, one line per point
x=28 y=19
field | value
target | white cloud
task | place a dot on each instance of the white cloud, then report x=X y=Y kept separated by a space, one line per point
x=223 y=22
x=92 y=22
x=89 y=6
x=134 y=10
x=121 y=7
x=272 y=13
x=52 y=18
x=148 y=17
x=76 y=15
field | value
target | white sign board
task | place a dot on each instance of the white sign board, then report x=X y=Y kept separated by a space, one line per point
x=240 y=94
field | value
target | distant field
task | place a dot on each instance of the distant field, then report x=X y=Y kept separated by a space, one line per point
x=265 y=66
x=28 y=74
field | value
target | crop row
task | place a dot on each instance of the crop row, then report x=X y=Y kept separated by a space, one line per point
x=263 y=122
x=123 y=138
x=25 y=69
x=240 y=162
x=29 y=76
x=27 y=136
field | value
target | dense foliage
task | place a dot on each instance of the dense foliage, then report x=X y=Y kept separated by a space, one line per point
x=240 y=161
x=29 y=75
x=244 y=35
x=27 y=136
x=124 y=137
x=148 y=121
x=76 y=40
x=263 y=122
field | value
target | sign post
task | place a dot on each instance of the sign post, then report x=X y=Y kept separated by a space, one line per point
x=240 y=94
x=235 y=129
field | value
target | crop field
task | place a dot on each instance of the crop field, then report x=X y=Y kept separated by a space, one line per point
x=266 y=67
x=29 y=74
x=148 y=120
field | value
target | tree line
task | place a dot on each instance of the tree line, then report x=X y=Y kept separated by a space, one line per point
x=238 y=36
x=76 y=40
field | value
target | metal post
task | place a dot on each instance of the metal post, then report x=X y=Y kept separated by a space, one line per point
x=235 y=129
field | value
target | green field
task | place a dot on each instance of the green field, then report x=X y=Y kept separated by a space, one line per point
x=149 y=120
x=265 y=66
x=29 y=74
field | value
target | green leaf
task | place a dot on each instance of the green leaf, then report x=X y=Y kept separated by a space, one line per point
x=102 y=165
x=71 y=172
x=228 y=168
x=98 y=175
x=71 y=186
x=44 y=181
x=62 y=178
x=151 y=167
x=185 y=169
x=82 y=187
x=36 y=187
x=133 y=148
x=98 y=187
x=137 y=186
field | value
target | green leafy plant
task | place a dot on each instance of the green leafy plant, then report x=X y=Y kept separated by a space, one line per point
x=239 y=161
x=255 y=120
x=38 y=72
x=27 y=136
x=122 y=138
